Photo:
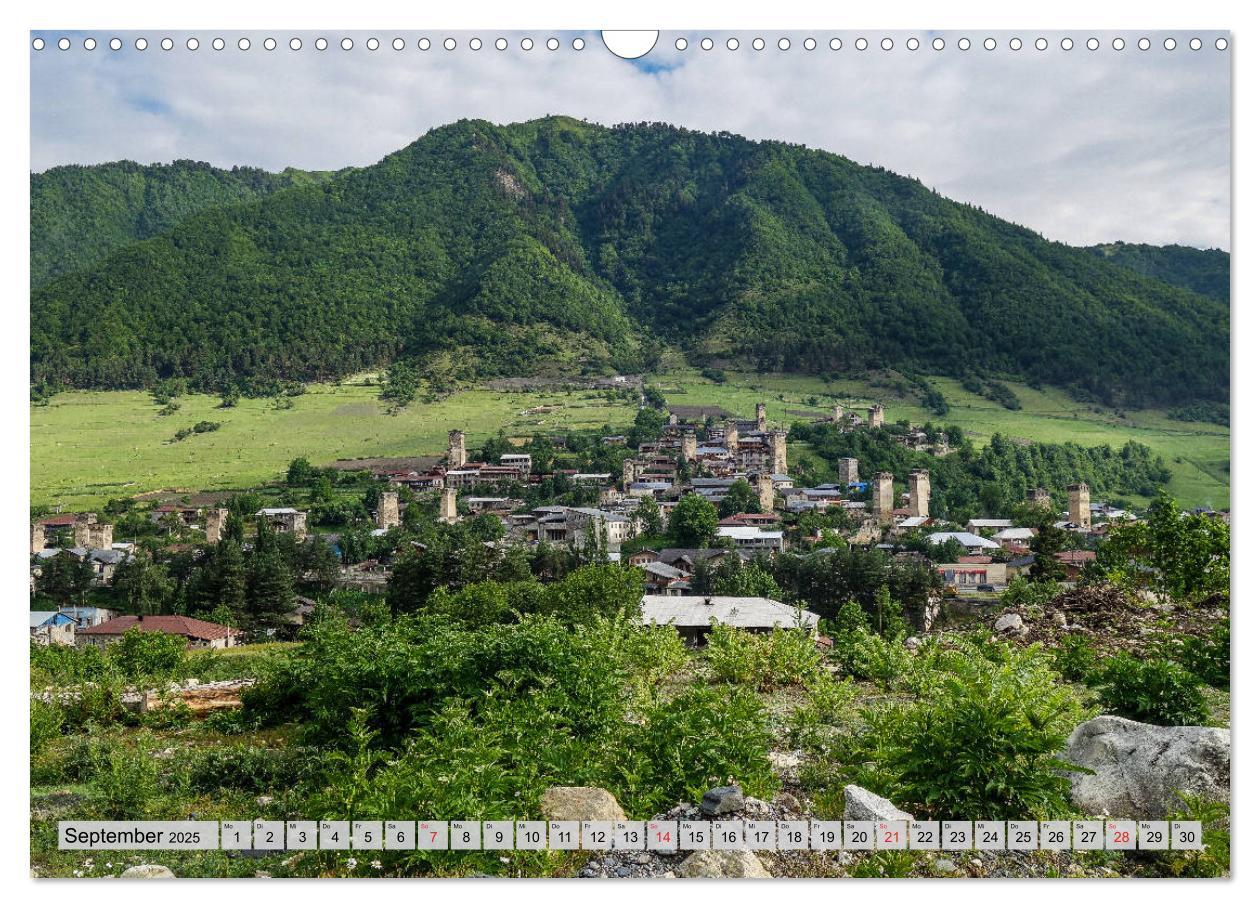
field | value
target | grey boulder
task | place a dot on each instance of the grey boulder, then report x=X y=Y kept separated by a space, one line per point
x=1139 y=770
x=726 y=799
x=860 y=804
x=722 y=864
x=148 y=872
x=569 y=803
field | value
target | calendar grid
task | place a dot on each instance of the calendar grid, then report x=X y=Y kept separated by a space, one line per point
x=635 y=835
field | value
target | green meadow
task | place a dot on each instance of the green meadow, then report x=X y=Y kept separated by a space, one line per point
x=87 y=447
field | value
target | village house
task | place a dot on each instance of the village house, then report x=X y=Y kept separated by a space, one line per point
x=972 y=575
x=284 y=520
x=975 y=545
x=753 y=539
x=661 y=578
x=198 y=634
x=1075 y=562
x=694 y=616
x=983 y=526
x=52 y=628
x=749 y=520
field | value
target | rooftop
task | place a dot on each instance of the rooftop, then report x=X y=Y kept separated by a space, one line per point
x=192 y=628
x=733 y=611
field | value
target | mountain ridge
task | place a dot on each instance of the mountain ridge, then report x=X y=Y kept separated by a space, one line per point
x=500 y=248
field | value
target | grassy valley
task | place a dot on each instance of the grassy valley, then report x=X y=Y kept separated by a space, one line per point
x=90 y=446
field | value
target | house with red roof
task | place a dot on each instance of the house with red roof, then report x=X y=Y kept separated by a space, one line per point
x=199 y=634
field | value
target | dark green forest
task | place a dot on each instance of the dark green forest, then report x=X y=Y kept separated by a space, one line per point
x=511 y=249
x=972 y=482
x=81 y=214
x=1204 y=271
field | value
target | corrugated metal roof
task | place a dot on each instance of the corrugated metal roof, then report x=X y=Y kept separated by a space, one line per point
x=733 y=611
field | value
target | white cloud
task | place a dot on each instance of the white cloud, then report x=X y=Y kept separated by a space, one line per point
x=1083 y=146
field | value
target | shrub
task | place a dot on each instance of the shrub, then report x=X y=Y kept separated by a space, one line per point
x=869 y=657
x=706 y=736
x=784 y=656
x=67 y=664
x=127 y=783
x=981 y=739
x=144 y=655
x=1157 y=691
x=45 y=724
x=245 y=768
x=1207 y=658
x=1075 y=658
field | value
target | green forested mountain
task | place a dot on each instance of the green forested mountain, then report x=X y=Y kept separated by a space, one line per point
x=81 y=214
x=507 y=248
x=1204 y=271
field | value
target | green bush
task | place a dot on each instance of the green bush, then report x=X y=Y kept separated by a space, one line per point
x=46 y=721
x=1075 y=658
x=979 y=739
x=784 y=656
x=246 y=768
x=1207 y=658
x=148 y=655
x=1157 y=691
x=704 y=737
x=127 y=783
x=869 y=657
x=59 y=665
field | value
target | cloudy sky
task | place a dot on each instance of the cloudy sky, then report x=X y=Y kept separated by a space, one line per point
x=1083 y=146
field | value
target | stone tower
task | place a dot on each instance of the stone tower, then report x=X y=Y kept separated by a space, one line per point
x=689 y=445
x=448 y=512
x=387 y=511
x=1037 y=498
x=1078 y=504
x=837 y=413
x=847 y=470
x=920 y=493
x=93 y=535
x=627 y=473
x=732 y=436
x=778 y=452
x=216 y=523
x=875 y=416
x=761 y=417
x=882 y=498
x=38 y=538
x=765 y=493
x=456 y=456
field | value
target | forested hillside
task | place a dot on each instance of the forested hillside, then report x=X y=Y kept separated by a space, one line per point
x=560 y=244
x=81 y=214
x=1204 y=271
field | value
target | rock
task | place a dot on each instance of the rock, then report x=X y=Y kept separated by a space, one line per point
x=1058 y=618
x=562 y=803
x=944 y=865
x=148 y=872
x=860 y=804
x=722 y=864
x=726 y=799
x=912 y=643
x=1011 y=624
x=1138 y=769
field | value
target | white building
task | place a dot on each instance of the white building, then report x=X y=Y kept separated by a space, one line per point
x=693 y=616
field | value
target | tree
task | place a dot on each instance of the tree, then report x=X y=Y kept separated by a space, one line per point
x=65 y=578
x=1183 y=555
x=143 y=584
x=1049 y=541
x=300 y=472
x=733 y=578
x=741 y=498
x=693 y=521
x=270 y=579
x=648 y=513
